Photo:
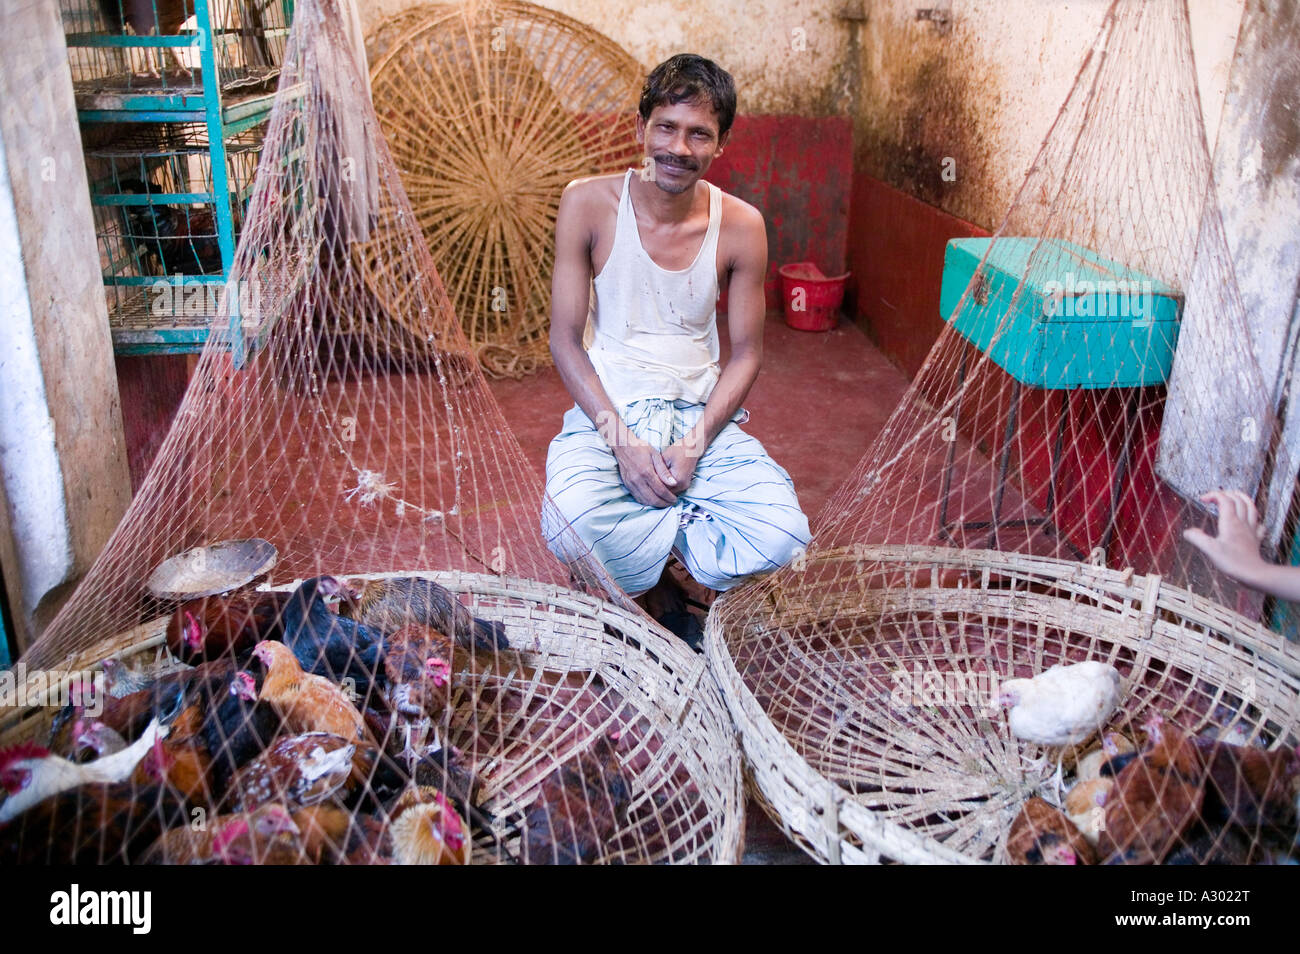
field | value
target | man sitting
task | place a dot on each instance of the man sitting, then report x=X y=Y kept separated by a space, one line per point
x=650 y=461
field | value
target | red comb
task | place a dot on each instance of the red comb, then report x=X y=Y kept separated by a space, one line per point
x=23 y=750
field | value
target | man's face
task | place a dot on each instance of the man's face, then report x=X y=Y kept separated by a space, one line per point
x=683 y=141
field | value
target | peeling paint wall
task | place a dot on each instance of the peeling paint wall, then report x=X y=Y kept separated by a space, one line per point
x=976 y=95
x=788 y=56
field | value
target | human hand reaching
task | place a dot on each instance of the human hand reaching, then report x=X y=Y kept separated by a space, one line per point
x=1234 y=550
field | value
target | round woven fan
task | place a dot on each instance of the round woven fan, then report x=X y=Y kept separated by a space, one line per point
x=490 y=109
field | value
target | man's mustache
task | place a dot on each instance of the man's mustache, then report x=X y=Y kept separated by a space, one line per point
x=664 y=160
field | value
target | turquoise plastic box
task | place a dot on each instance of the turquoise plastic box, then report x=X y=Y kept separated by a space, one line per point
x=1055 y=315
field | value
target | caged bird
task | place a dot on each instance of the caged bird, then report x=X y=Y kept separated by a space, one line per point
x=214 y=626
x=580 y=807
x=238 y=728
x=1063 y=705
x=330 y=645
x=306 y=702
x=298 y=770
x=1253 y=789
x=176 y=238
x=200 y=845
x=425 y=829
x=390 y=604
x=30 y=774
x=98 y=823
x=1043 y=835
x=1156 y=797
x=418 y=667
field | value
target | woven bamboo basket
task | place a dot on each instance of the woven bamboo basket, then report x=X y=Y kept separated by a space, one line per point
x=688 y=795
x=856 y=772
x=490 y=108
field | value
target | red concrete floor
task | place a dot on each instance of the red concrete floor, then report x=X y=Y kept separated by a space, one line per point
x=818 y=402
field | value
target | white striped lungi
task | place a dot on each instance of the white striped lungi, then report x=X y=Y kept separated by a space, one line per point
x=739 y=516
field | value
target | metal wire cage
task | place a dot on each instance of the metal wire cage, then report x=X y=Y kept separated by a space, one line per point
x=119 y=47
x=167 y=229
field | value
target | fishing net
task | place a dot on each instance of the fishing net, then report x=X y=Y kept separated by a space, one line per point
x=523 y=100
x=1023 y=508
x=470 y=696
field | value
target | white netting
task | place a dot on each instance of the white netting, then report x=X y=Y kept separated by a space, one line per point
x=1023 y=508
x=522 y=705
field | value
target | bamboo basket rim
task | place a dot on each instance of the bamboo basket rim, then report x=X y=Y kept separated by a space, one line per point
x=825 y=819
x=685 y=686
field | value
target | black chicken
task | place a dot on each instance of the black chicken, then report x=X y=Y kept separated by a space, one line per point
x=390 y=604
x=328 y=644
x=176 y=238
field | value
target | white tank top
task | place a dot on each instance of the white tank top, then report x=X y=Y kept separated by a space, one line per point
x=654 y=332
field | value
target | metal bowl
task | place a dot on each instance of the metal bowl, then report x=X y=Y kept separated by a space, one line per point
x=212 y=570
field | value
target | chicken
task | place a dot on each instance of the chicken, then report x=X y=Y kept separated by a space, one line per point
x=1156 y=797
x=30 y=774
x=181 y=761
x=96 y=739
x=418 y=664
x=216 y=625
x=147 y=16
x=1201 y=847
x=1042 y=835
x=330 y=645
x=306 y=702
x=298 y=771
x=91 y=824
x=327 y=831
x=1094 y=764
x=165 y=696
x=1063 y=705
x=424 y=829
x=238 y=728
x=390 y=604
x=266 y=836
x=580 y=807
x=1085 y=806
x=1250 y=787
x=177 y=238
x=191 y=845
x=120 y=680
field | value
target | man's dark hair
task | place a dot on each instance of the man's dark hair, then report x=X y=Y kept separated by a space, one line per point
x=688 y=78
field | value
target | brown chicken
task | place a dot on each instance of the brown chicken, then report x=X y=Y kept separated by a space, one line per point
x=388 y=605
x=1250 y=787
x=298 y=771
x=580 y=807
x=214 y=626
x=92 y=824
x=418 y=663
x=424 y=829
x=1156 y=798
x=197 y=844
x=306 y=702
x=181 y=761
x=1042 y=835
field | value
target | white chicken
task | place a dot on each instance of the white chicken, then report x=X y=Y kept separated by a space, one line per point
x=1063 y=705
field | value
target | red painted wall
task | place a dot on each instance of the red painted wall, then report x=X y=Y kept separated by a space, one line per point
x=797 y=171
x=151 y=388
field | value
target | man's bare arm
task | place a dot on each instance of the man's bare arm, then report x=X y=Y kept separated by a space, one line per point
x=641 y=467
x=746 y=308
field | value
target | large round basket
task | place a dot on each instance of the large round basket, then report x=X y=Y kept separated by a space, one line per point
x=490 y=108
x=617 y=669
x=865 y=702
